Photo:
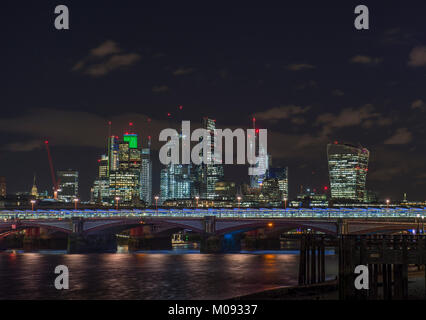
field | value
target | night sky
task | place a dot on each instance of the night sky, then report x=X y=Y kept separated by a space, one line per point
x=302 y=70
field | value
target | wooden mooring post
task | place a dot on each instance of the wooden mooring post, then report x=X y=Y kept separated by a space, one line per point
x=387 y=258
x=311 y=259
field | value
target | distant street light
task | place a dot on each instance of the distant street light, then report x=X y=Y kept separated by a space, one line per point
x=32 y=204
x=196 y=199
x=116 y=201
x=239 y=200
x=156 y=202
x=285 y=203
x=75 y=203
x=387 y=203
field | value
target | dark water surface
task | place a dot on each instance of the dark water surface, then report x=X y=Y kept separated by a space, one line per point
x=153 y=275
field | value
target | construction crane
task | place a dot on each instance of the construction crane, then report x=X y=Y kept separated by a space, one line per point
x=52 y=171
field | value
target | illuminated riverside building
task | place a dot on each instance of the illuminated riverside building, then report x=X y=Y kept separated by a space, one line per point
x=68 y=185
x=146 y=175
x=176 y=183
x=100 y=191
x=225 y=190
x=348 y=167
x=125 y=185
x=281 y=174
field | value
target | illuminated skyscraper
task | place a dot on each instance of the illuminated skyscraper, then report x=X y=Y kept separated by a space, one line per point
x=113 y=151
x=176 y=181
x=263 y=162
x=209 y=174
x=146 y=175
x=125 y=181
x=101 y=191
x=68 y=185
x=125 y=185
x=100 y=187
x=281 y=174
x=2 y=186
x=348 y=167
x=164 y=185
x=123 y=155
x=103 y=167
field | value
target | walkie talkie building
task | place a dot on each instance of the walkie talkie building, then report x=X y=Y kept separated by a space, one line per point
x=348 y=167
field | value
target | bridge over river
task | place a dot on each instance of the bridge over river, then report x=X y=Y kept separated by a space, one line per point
x=219 y=228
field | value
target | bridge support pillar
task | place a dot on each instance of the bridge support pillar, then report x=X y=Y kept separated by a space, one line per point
x=31 y=239
x=259 y=240
x=342 y=227
x=78 y=242
x=142 y=238
x=227 y=243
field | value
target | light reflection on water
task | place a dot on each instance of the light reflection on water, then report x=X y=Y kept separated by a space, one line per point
x=175 y=274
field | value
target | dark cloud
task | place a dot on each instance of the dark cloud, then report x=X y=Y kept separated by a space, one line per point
x=417 y=57
x=160 y=89
x=365 y=59
x=183 y=71
x=74 y=128
x=283 y=112
x=337 y=93
x=105 y=49
x=365 y=116
x=104 y=59
x=418 y=104
x=300 y=66
x=401 y=136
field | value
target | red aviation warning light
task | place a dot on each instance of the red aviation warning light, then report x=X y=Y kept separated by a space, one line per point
x=180 y=107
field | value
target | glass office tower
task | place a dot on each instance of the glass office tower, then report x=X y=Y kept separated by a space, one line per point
x=348 y=167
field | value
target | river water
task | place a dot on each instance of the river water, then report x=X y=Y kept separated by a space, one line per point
x=176 y=274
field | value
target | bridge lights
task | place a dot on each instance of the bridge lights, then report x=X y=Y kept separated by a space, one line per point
x=117 y=199
x=32 y=204
x=75 y=203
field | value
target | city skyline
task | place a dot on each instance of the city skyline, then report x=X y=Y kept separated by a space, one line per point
x=319 y=81
x=213 y=156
